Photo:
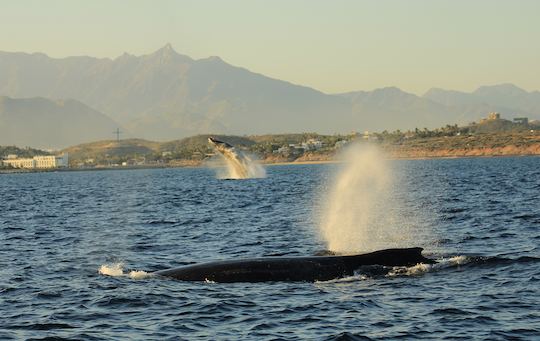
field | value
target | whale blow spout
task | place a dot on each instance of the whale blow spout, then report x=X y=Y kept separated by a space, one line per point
x=307 y=269
x=239 y=165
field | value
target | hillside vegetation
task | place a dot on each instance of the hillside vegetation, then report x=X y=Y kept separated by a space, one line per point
x=140 y=152
x=20 y=152
x=490 y=137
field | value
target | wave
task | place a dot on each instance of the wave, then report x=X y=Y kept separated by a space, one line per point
x=379 y=271
x=42 y=326
x=422 y=268
x=459 y=261
x=346 y=336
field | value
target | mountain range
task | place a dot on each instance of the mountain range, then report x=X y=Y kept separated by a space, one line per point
x=50 y=124
x=166 y=95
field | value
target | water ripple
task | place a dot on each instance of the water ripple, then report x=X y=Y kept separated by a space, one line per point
x=58 y=229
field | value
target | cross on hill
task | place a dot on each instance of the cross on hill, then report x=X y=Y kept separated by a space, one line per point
x=117 y=132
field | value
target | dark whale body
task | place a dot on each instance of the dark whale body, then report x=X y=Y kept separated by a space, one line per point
x=307 y=269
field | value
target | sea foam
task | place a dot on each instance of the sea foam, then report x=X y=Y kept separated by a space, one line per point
x=117 y=270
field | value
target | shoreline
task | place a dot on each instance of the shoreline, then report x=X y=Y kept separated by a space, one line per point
x=262 y=162
x=411 y=158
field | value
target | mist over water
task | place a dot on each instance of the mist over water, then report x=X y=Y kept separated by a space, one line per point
x=362 y=210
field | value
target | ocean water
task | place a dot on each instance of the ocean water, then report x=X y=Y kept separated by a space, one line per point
x=58 y=230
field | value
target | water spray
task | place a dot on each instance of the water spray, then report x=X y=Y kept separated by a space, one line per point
x=361 y=212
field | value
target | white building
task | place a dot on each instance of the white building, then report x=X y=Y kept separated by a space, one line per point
x=283 y=150
x=312 y=144
x=20 y=163
x=38 y=162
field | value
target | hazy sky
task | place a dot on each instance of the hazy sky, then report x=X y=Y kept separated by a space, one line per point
x=333 y=46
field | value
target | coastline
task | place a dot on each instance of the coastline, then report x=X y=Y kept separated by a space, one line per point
x=323 y=160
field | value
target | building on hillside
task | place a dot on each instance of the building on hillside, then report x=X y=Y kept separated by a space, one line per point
x=492 y=116
x=521 y=120
x=291 y=149
x=38 y=162
x=311 y=144
x=19 y=163
x=282 y=150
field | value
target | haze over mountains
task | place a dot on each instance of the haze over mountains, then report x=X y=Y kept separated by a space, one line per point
x=44 y=123
x=166 y=96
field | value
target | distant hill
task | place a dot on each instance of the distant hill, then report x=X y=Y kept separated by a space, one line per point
x=113 y=148
x=20 y=152
x=508 y=99
x=510 y=96
x=498 y=126
x=123 y=150
x=47 y=124
x=199 y=141
x=166 y=95
x=391 y=108
x=489 y=138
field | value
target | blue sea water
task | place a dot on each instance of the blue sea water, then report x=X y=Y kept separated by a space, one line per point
x=59 y=229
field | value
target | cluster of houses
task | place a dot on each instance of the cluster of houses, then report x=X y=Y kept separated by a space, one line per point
x=37 y=162
x=307 y=146
x=315 y=144
x=93 y=163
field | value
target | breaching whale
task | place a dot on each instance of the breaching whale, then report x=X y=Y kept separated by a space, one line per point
x=308 y=269
x=237 y=159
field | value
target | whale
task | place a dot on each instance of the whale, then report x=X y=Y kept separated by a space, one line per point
x=294 y=269
x=237 y=159
x=222 y=146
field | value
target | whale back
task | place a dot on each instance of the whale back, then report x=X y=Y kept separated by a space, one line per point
x=389 y=257
x=293 y=268
x=261 y=270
